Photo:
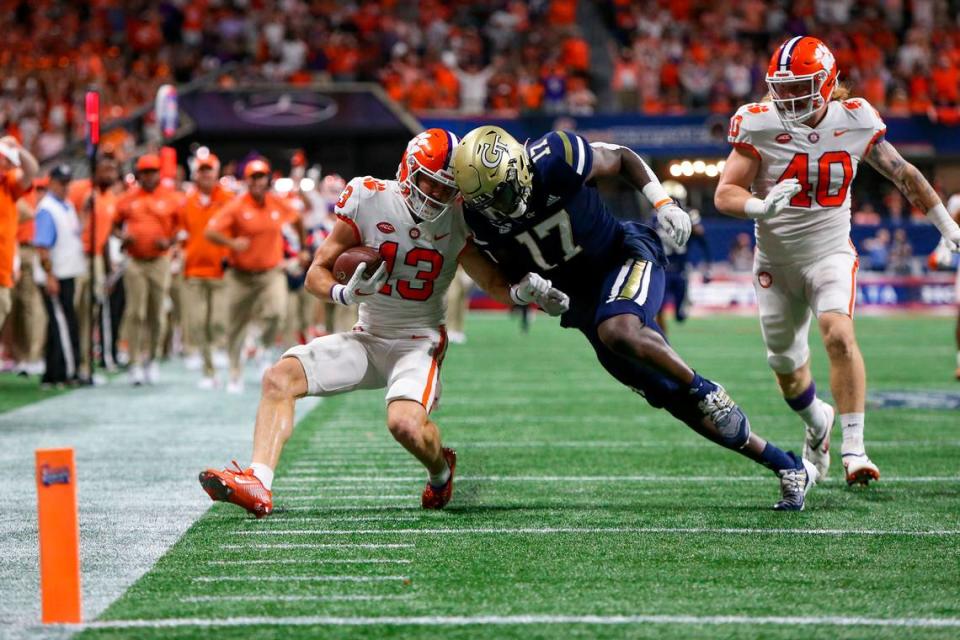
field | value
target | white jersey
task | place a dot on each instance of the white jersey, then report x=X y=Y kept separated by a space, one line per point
x=824 y=159
x=421 y=257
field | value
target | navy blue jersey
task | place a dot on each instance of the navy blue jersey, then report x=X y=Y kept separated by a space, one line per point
x=567 y=233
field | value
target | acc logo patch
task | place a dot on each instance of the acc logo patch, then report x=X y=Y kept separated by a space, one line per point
x=813 y=137
x=386 y=227
x=765 y=279
x=414 y=233
x=784 y=138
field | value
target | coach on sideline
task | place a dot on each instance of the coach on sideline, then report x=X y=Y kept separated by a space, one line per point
x=250 y=225
x=58 y=243
x=147 y=220
x=17 y=170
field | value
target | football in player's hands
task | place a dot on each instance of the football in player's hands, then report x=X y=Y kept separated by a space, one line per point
x=348 y=261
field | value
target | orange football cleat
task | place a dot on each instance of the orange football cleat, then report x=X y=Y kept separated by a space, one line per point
x=240 y=487
x=434 y=498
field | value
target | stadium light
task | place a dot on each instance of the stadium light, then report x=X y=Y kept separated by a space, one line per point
x=675 y=170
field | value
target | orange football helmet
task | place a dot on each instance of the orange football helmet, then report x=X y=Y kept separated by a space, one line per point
x=801 y=77
x=430 y=155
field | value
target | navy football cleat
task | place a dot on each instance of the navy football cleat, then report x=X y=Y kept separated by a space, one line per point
x=794 y=484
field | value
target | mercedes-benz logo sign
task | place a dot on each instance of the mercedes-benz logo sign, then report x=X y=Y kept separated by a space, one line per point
x=286 y=109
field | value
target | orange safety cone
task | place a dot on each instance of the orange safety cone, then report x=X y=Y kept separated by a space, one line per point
x=59 y=536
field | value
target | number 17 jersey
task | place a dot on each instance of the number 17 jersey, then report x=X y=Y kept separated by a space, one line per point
x=823 y=159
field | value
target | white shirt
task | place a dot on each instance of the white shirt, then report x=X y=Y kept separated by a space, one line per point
x=421 y=257
x=825 y=159
x=66 y=252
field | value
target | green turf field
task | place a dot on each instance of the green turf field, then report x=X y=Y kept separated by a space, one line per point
x=581 y=512
x=16 y=391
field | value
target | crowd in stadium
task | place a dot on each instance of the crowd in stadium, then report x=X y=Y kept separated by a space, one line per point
x=466 y=56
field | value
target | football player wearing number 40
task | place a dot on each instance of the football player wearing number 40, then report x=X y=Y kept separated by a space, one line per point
x=399 y=342
x=790 y=170
x=531 y=209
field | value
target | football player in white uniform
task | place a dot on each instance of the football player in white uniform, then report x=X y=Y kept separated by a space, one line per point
x=790 y=170
x=416 y=224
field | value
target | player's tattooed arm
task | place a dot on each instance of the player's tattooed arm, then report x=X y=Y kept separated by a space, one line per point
x=887 y=160
x=485 y=273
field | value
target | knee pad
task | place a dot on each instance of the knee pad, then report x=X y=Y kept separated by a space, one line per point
x=735 y=429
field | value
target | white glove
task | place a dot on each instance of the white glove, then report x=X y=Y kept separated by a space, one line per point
x=555 y=302
x=776 y=200
x=347 y=294
x=951 y=242
x=530 y=289
x=676 y=222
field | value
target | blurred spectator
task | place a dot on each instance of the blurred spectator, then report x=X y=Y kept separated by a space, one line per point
x=877 y=251
x=901 y=254
x=741 y=253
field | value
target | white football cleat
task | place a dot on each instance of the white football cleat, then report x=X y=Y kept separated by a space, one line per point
x=816 y=444
x=208 y=383
x=794 y=484
x=235 y=387
x=859 y=469
x=153 y=372
x=136 y=375
x=193 y=362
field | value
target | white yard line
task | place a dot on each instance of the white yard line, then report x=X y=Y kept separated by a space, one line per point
x=264 y=522
x=282 y=598
x=300 y=578
x=457 y=531
x=228 y=563
x=314 y=479
x=344 y=497
x=342 y=545
x=460 y=621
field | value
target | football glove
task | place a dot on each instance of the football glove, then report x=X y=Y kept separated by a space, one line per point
x=532 y=287
x=776 y=200
x=348 y=294
x=555 y=302
x=676 y=222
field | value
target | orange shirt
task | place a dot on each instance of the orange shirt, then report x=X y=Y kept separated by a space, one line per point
x=203 y=259
x=244 y=218
x=149 y=217
x=105 y=203
x=10 y=190
x=26 y=229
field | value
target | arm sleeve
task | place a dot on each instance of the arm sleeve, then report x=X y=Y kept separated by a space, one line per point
x=45 y=231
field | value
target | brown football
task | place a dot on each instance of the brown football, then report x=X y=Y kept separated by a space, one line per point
x=349 y=260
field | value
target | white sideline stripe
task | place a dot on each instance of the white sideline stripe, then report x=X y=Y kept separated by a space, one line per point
x=343 y=545
x=279 y=598
x=280 y=520
x=310 y=561
x=345 y=497
x=299 y=578
x=459 y=621
x=357 y=507
x=553 y=530
x=651 y=478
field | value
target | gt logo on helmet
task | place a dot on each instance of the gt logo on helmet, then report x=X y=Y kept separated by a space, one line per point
x=492 y=154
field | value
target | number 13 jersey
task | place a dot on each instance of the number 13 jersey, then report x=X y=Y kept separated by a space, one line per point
x=421 y=256
x=823 y=159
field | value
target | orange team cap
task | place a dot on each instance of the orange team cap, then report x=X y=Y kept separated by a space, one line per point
x=209 y=160
x=148 y=162
x=256 y=166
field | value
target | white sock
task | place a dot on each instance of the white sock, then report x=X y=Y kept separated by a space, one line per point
x=815 y=415
x=263 y=473
x=852 y=424
x=440 y=479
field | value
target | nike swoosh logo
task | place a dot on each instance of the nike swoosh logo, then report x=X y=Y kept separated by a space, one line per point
x=441 y=237
x=839 y=132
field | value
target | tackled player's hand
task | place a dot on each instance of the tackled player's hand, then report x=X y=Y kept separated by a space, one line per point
x=358 y=285
x=676 y=222
x=778 y=198
x=555 y=302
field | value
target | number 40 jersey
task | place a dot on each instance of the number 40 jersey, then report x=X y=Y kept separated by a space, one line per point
x=823 y=159
x=421 y=257
x=567 y=233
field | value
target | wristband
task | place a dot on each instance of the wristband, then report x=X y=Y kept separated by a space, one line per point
x=753 y=207
x=514 y=295
x=655 y=193
x=338 y=294
x=941 y=220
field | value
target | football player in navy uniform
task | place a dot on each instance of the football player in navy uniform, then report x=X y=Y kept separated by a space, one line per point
x=531 y=209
